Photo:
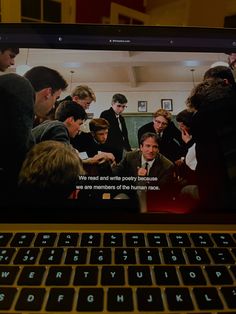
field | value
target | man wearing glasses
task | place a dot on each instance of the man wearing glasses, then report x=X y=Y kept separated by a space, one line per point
x=117 y=140
x=171 y=143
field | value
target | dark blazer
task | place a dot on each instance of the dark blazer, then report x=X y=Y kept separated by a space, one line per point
x=117 y=140
x=162 y=168
x=171 y=144
x=214 y=131
x=51 y=130
x=16 y=122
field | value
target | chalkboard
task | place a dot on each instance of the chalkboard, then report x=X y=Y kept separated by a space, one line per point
x=134 y=122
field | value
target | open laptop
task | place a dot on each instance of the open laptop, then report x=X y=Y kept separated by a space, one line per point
x=105 y=255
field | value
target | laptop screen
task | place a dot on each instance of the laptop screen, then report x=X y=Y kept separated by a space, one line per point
x=154 y=69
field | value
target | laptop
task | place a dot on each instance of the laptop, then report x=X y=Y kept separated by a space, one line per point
x=106 y=255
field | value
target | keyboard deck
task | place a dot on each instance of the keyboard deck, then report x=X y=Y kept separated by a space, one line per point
x=117 y=272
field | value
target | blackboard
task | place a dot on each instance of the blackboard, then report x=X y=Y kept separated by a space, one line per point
x=134 y=122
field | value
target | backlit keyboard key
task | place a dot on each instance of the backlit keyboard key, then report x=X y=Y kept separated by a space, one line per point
x=192 y=275
x=86 y=276
x=135 y=239
x=22 y=239
x=113 y=276
x=202 y=239
x=173 y=256
x=125 y=256
x=166 y=275
x=30 y=299
x=45 y=239
x=157 y=239
x=139 y=276
x=8 y=274
x=120 y=299
x=90 y=300
x=179 y=299
x=5 y=238
x=60 y=299
x=7 y=297
x=59 y=276
x=207 y=298
x=90 y=239
x=68 y=239
x=31 y=276
x=113 y=239
x=179 y=239
x=149 y=299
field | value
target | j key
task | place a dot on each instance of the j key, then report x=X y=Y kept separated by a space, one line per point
x=207 y=298
x=90 y=300
x=30 y=299
x=113 y=276
x=76 y=256
x=223 y=239
x=201 y=239
x=6 y=255
x=22 y=239
x=26 y=256
x=5 y=238
x=68 y=239
x=192 y=275
x=45 y=239
x=197 y=256
x=218 y=275
x=51 y=256
x=31 y=276
x=113 y=239
x=8 y=274
x=7 y=297
x=173 y=256
x=179 y=239
x=120 y=299
x=135 y=239
x=166 y=275
x=59 y=276
x=125 y=256
x=90 y=239
x=230 y=296
x=149 y=256
x=157 y=239
x=179 y=299
x=149 y=299
x=139 y=275
x=221 y=256
x=86 y=276
x=60 y=299
x=100 y=256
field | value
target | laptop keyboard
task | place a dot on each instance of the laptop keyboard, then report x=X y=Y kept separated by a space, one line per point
x=118 y=272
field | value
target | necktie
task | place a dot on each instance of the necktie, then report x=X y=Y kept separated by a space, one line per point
x=120 y=126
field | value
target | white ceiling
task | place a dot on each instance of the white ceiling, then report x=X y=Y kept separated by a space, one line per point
x=128 y=67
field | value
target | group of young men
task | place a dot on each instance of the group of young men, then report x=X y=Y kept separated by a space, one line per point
x=106 y=149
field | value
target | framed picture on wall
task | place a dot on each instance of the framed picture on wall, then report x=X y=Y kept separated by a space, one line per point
x=167 y=104
x=142 y=106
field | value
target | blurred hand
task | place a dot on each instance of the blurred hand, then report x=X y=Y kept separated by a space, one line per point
x=142 y=172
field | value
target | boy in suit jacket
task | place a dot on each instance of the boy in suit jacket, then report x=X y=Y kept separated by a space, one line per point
x=117 y=140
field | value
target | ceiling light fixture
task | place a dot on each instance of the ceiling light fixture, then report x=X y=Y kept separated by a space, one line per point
x=193 y=80
x=71 y=79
